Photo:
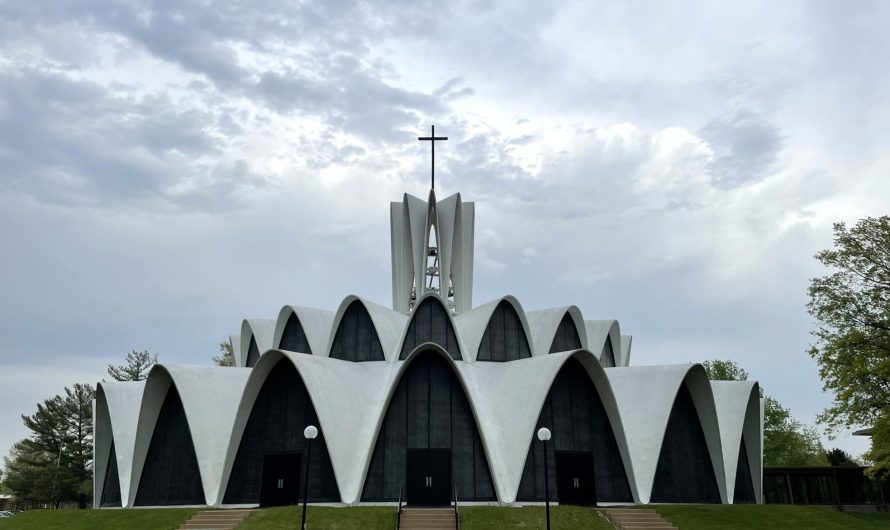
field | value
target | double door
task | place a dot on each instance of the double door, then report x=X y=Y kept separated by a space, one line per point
x=574 y=478
x=429 y=477
x=280 y=485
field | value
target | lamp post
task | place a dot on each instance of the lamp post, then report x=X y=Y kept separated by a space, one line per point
x=544 y=436
x=310 y=432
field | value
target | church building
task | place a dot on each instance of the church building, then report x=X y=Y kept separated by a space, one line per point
x=431 y=399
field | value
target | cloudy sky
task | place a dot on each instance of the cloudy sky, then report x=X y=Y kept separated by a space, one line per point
x=169 y=168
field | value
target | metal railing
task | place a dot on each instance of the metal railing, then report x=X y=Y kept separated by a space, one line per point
x=456 y=511
x=399 y=512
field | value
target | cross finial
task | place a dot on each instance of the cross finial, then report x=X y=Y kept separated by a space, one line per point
x=432 y=140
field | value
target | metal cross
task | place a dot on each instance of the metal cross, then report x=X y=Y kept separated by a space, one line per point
x=432 y=140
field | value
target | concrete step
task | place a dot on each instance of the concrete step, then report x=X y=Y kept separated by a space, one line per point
x=636 y=519
x=216 y=519
x=427 y=519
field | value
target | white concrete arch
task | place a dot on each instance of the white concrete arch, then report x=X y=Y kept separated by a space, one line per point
x=262 y=330
x=471 y=325
x=345 y=418
x=645 y=416
x=210 y=397
x=545 y=322
x=317 y=324
x=597 y=333
x=626 y=343
x=738 y=412
x=509 y=397
x=116 y=419
x=389 y=325
x=392 y=382
x=438 y=297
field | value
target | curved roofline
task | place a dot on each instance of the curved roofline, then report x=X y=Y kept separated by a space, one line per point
x=260 y=329
x=340 y=413
x=411 y=316
x=316 y=324
x=545 y=323
x=646 y=415
x=393 y=385
x=123 y=415
x=207 y=395
x=101 y=446
x=473 y=323
x=597 y=333
x=388 y=324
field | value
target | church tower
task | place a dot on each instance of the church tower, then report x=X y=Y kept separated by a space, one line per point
x=432 y=250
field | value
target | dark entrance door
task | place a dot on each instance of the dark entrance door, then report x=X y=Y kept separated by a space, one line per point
x=429 y=477
x=574 y=478
x=280 y=484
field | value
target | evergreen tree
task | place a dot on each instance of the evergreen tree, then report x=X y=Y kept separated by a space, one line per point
x=226 y=356
x=138 y=364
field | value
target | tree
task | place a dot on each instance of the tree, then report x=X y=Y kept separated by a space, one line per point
x=55 y=462
x=839 y=457
x=852 y=308
x=226 y=356
x=136 y=368
x=786 y=442
x=879 y=454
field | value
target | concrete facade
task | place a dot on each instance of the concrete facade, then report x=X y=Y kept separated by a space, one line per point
x=350 y=399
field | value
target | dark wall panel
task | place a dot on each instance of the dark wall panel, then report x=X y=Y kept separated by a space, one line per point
x=566 y=337
x=281 y=411
x=253 y=353
x=430 y=323
x=429 y=410
x=574 y=413
x=170 y=475
x=293 y=338
x=744 y=486
x=684 y=473
x=356 y=339
x=111 y=487
x=504 y=338
x=608 y=357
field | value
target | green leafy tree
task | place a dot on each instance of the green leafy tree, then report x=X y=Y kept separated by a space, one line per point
x=839 y=457
x=226 y=356
x=879 y=454
x=786 y=442
x=138 y=364
x=851 y=306
x=55 y=462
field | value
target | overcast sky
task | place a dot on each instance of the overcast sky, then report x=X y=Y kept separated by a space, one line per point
x=167 y=169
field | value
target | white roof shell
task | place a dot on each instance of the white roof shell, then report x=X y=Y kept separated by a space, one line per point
x=116 y=411
x=545 y=322
x=471 y=325
x=262 y=330
x=645 y=416
x=738 y=411
x=317 y=324
x=597 y=333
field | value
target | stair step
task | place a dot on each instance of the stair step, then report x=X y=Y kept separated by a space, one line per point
x=216 y=520
x=637 y=519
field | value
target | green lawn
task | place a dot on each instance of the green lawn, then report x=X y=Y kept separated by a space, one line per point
x=159 y=519
x=727 y=517
x=384 y=518
x=691 y=517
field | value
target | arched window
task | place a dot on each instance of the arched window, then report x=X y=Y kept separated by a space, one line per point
x=429 y=423
x=566 y=337
x=504 y=338
x=293 y=338
x=685 y=472
x=356 y=339
x=430 y=323
x=280 y=413
x=170 y=475
x=583 y=453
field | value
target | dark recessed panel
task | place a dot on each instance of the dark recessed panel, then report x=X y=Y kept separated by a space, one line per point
x=574 y=413
x=429 y=411
x=744 y=486
x=504 y=338
x=356 y=339
x=293 y=338
x=430 y=323
x=281 y=411
x=608 y=357
x=111 y=487
x=684 y=473
x=170 y=475
x=253 y=353
x=566 y=337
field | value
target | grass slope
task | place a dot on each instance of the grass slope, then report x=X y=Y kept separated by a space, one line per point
x=561 y=518
x=160 y=519
x=731 y=517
